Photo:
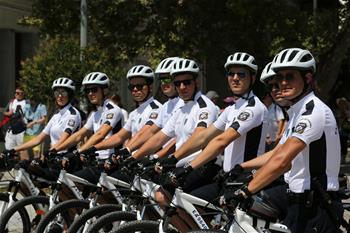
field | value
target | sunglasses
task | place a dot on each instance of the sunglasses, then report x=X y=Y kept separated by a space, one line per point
x=287 y=77
x=240 y=74
x=91 y=90
x=273 y=86
x=184 y=82
x=165 y=80
x=62 y=93
x=138 y=87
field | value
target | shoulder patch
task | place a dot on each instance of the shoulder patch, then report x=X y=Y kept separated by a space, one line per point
x=201 y=102
x=245 y=115
x=153 y=115
x=154 y=105
x=302 y=125
x=109 y=106
x=71 y=123
x=203 y=116
x=109 y=115
x=309 y=108
x=72 y=111
x=251 y=102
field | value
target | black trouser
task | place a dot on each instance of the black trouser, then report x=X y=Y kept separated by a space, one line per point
x=314 y=218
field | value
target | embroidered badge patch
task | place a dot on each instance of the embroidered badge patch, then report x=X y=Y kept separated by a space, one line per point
x=153 y=115
x=110 y=115
x=302 y=125
x=203 y=116
x=71 y=122
x=243 y=116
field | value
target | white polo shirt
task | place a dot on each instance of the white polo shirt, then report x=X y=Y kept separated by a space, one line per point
x=249 y=118
x=109 y=113
x=146 y=114
x=314 y=123
x=167 y=110
x=67 y=120
x=200 y=112
x=275 y=114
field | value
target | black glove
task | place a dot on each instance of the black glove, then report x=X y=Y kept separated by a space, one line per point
x=89 y=152
x=129 y=162
x=9 y=153
x=167 y=162
x=221 y=176
x=178 y=176
x=123 y=153
x=235 y=172
x=233 y=198
x=50 y=153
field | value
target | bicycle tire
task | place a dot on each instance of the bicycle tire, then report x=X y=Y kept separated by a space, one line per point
x=97 y=212
x=62 y=209
x=142 y=226
x=20 y=208
x=110 y=218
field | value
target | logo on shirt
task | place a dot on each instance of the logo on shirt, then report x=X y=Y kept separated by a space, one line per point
x=153 y=115
x=203 y=116
x=243 y=116
x=302 y=125
x=71 y=122
x=110 y=115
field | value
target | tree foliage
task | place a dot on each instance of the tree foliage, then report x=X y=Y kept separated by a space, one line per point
x=206 y=30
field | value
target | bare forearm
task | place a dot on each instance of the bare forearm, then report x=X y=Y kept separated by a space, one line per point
x=113 y=141
x=214 y=148
x=169 y=149
x=151 y=146
x=267 y=174
x=33 y=142
x=136 y=142
x=71 y=141
x=257 y=162
x=93 y=140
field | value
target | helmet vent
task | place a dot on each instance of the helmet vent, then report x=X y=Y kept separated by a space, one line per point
x=94 y=77
x=306 y=57
x=246 y=57
x=148 y=71
x=238 y=56
x=292 y=55
x=283 y=55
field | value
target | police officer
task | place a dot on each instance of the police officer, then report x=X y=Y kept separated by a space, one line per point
x=168 y=108
x=105 y=120
x=194 y=116
x=240 y=129
x=62 y=124
x=309 y=149
x=140 y=80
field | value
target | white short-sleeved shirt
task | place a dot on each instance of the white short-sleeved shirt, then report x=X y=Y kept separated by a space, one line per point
x=248 y=116
x=109 y=113
x=146 y=114
x=200 y=112
x=67 y=120
x=167 y=110
x=314 y=123
x=13 y=104
x=274 y=116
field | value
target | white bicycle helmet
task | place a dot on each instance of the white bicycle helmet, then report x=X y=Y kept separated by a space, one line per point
x=96 y=78
x=267 y=73
x=294 y=58
x=184 y=65
x=165 y=66
x=63 y=82
x=140 y=71
x=241 y=59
